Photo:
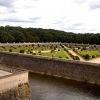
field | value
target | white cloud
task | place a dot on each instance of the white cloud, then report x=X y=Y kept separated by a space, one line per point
x=95 y=4
x=6 y=3
x=69 y=15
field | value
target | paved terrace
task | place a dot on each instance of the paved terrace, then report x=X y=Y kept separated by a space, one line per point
x=4 y=73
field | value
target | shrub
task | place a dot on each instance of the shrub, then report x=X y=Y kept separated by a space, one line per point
x=66 y=57
x=10 y=50
x=32 y=45
x=70 y=46
x=86 y=56
x=53 y=55
x=58 y=49
x=39 y=51
x=95 y=46
x=76 y=58
x=93 y=56
x=31 y=52
x=79 y=47
x=84 y=48
x=38 y=45
x=52 y=51
x=3 y=47
x=28 y=51
x=60 y=57
x=21 y=51
x=74 y=49
x=40 y=54
x=34 y=53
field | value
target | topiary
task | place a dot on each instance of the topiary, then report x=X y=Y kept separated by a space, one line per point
x=10 y=50
x=21 y=51
x=86 y=56
x=76 y=58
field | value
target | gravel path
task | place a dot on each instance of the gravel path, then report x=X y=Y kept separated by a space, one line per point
x=75 y=54
x=95 y=60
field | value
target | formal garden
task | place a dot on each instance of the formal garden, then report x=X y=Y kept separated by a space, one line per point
x=49 y=50
x=86 y=51
x=65 y=51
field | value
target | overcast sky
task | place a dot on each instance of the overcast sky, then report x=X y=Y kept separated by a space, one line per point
x=68 y=15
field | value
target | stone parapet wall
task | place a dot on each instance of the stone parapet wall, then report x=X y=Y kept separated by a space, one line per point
x=15 y=86
x=75 y=70
x=13 y=80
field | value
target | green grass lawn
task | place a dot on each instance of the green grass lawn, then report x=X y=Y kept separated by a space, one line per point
x=61 y=54
x=91 y=53
x=58 y=54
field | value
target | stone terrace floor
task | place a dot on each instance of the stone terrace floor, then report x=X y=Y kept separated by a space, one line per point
x=4 y=73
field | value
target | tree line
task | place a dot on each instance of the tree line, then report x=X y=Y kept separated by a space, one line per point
x=18 y=34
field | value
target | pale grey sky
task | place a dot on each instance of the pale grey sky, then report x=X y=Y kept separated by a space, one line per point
x=68 y=15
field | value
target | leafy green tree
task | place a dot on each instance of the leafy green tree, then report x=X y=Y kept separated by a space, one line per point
x=6 y=37
x=19 y=34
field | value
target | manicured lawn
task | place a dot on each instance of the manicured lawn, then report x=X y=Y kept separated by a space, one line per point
x=58 y=54
x=61 y=54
